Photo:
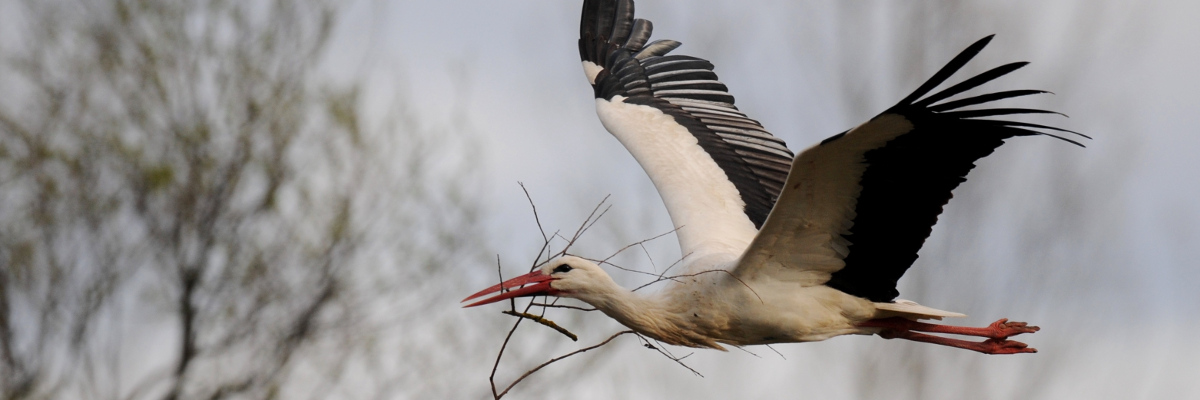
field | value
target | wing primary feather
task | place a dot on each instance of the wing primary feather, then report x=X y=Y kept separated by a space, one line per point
x=953 y=66
x=716 y=108
x=986 y=98
x=657 y=48
x=1027 y=132
x=674 y=58
x=684 y=74
x=607 y=15
x=713 y=119
x=696 y=84
x=971 y=83
x=639 y=35
x=623 y=22
x=1039 y=126
x=996 y=111
x=676 y=62
x=587 y=28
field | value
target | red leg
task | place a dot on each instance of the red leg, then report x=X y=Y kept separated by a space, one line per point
x=999 y=330
x=990 y=346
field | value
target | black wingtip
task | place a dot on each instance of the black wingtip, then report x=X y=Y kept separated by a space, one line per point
x=953 y=66
x=1081 y=145
x=587 y=25
x=622 y=22
x=971 y=83
x=1039 y=126
x=992 y=112
x=606 y=24
x=610 y=19
x=658 y=48
x=981 y=99
x=639 y=35
x=606 y=18
x=1059 y=137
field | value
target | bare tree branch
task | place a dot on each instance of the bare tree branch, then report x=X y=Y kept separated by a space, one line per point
x=587 y=223
x=552 y=360
x=542 y=320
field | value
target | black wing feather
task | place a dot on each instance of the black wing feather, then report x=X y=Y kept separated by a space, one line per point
x=996 y=111
x=687 y=89
x=909 y=180
x=640 y=35
x=951 y=67
x=971 y=83
x=623 y=22
x=986 y=98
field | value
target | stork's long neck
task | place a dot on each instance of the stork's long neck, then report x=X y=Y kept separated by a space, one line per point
x=652 y=315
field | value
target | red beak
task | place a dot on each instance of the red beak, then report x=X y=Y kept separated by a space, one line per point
x=540 y=286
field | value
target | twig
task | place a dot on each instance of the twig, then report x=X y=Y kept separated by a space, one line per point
x=553 y=360
x=583 y=228
x=677 y=262
x=588 y=222
x=639 y=243
x=591 y=219
x=648 y=257
x=667 y=354
x=496 y=365
x=542 y=320
x=537 y=219
x=564 y=306
x=535 y=214
x=597 y=219
x=747 y=351
x=676 y=277
x=603 y=262
x=512 y=302
x=776 y=352
x=537 y=259
x=507 y=338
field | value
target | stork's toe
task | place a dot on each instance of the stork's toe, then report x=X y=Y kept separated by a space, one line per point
x=1001 y=346
x=1003 y=328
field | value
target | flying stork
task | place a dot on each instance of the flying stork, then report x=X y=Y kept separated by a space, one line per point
x=800 y=248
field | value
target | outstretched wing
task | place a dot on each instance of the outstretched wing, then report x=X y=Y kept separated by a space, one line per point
x=718 y=171
x=859 y=205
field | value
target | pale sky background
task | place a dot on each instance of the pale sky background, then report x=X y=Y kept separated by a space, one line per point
x=1114 y=286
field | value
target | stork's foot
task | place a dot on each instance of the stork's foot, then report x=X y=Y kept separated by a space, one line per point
x=997 y=334
x=1001 y=329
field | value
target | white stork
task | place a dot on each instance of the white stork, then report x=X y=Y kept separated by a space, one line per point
x=805 y=248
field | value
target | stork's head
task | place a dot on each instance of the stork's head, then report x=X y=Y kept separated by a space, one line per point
x=567 y=276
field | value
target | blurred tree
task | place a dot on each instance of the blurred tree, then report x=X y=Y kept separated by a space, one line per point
x=179 y=167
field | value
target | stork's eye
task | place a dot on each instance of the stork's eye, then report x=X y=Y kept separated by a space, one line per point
x=562 y=268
